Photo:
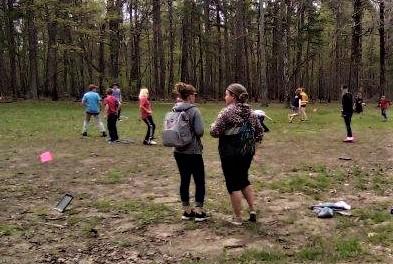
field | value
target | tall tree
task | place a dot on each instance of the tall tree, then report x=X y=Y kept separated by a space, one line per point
x=114 y=16
x=356 y=50
x=8 y=5
x=239 y=36
x=382 y=50
x=51 y=61
x=171 y=40
x=158 y=51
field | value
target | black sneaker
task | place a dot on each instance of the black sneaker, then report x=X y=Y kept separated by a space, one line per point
x=84 y=134
x=200 y=217
x=103 y=134
x=253 y=217
x=188 y=216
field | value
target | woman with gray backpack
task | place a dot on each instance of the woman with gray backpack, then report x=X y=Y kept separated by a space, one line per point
x=183 y=129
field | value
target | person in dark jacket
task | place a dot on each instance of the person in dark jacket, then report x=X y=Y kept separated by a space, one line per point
x=358 y=103
x=238 y=129
x=189 y=158
x=347 y=111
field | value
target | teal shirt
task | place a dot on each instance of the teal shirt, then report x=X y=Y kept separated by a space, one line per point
x=92 y=102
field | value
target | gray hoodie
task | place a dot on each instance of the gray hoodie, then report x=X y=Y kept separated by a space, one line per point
x=195 y=147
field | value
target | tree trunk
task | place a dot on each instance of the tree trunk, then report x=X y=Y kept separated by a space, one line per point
x=240 y=64
x=286 y=51
x=261 y=54
x=33 y=44
x=101 y=57
x=158 y=51
x=51 y=74
x=8 y=7
x=356 y=53
x=382 y=52
x=185 y=47
x=171 y=46
x=220 y=54
x=114 y=8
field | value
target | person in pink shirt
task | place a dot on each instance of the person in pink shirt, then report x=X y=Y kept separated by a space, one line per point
x=146 y=115
x=111 y=108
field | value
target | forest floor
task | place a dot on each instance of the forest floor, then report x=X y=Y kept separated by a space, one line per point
x=126 y=206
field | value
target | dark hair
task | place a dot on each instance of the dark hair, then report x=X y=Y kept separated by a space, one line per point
x=109 y=91
x=92 y=87
x=184 y=90
x=344 y=86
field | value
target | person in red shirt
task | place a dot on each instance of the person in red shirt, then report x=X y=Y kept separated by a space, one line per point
x=384 y=105
x=146 y=115
x=111 y=109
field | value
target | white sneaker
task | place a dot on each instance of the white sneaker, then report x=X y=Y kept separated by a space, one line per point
x=152 y=142
x=235 y=221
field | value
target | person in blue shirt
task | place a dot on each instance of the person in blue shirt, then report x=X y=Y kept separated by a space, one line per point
x=92 y=102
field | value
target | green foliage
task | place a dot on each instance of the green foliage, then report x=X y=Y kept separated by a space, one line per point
x=9 y=230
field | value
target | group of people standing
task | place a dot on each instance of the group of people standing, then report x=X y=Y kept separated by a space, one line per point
x=237 y=127
x=238 y=130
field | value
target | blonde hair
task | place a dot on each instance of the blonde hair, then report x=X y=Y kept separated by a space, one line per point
x=144 y=92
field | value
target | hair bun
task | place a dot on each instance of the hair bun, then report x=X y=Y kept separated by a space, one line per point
x=180 y=86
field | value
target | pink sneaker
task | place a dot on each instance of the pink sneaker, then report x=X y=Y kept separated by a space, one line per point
x=348 y=140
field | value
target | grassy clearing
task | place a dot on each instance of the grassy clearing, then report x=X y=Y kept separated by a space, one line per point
x=134 y=187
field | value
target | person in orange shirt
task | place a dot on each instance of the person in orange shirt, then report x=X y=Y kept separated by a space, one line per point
x=303 y=104
x=146 y=115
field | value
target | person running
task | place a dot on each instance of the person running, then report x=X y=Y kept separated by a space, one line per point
x=347 y=111
x=117 y=94
x=189 y=158
x=147 y=116
x=384 y=104
x=111 y=108
x=238 y=129
x=295 y=105
x=92 y=102
x=303 y=104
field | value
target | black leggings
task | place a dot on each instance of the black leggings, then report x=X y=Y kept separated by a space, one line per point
x=383 y=113
x=191 y=164
x=151 y=127
x=112 y=129
x=347 y=119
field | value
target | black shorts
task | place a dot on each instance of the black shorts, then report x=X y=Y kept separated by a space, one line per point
x=235 y=171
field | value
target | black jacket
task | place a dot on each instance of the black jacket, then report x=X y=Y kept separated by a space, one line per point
x=347 y=103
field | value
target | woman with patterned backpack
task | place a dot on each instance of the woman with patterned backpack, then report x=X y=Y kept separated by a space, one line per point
x=238 y=130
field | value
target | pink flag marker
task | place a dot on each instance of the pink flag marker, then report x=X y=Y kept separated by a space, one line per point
x=46 y=156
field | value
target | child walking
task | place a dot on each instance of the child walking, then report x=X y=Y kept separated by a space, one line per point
x=111 y=108
x=116 y=92
x=384 y=104
x=146 y=115
x=92 y=102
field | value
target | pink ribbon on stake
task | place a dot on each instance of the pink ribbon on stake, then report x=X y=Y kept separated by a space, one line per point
x=46 y=157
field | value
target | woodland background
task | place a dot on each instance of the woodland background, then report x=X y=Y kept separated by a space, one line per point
x=54 y=49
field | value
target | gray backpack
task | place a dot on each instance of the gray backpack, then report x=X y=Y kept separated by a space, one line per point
x=177 y=130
